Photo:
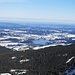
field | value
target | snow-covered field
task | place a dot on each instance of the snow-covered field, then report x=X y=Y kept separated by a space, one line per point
x=35 y=37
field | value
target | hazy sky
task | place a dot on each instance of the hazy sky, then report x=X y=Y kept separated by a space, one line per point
x=38 y=10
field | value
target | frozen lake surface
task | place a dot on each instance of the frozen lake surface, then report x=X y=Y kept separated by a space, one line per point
x=40 y=41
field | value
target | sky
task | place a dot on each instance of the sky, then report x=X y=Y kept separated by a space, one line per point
x=62 y=11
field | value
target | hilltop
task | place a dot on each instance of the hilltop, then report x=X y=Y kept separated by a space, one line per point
x=4 y=50
x=48 y=61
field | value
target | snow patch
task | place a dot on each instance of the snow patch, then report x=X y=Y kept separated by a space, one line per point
x=70 y=59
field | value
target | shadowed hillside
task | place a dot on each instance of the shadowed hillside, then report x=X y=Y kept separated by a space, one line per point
x=4 y=50
x=48 y=61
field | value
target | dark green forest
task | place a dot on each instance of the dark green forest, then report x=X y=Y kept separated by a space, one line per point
x=48 y=61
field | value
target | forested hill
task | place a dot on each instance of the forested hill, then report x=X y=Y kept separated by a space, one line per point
x=48 y=61
x=4 y=50
x=52 y=60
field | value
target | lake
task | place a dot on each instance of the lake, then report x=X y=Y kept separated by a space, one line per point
x=40 y=41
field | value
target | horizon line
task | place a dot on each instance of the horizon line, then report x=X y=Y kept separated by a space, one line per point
x=36 y=20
